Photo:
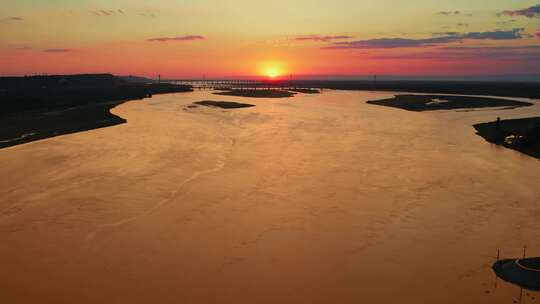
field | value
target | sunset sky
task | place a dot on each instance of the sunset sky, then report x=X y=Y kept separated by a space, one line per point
x=221 y=38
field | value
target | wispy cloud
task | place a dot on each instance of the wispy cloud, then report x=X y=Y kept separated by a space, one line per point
x=460 y=56
x=390 y=43
x=454 y=13
x=11 y=19
x=321 y=38
x=107 y=12
x=491 y=48
x=57 y=50
x=16 y=46
x=505 y=22
x=147 y=14
x=178 y=38
x=446 y=33
x=529 y=12
x=537 y=34
x=448 y=13
x=451 y=37
x=495 y=35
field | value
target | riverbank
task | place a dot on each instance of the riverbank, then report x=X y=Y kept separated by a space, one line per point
x=40 y=107
x=522 y=135
x=24 y=127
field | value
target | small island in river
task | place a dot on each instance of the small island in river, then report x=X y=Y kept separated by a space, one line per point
x=419 y=103
x=521 y=134
x=257 y=93
x=305 y=90
x=223 y=104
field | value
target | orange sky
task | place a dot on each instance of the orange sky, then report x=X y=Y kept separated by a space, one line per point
x=246 y=38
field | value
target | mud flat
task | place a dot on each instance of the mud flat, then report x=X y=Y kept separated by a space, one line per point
x=445 y=102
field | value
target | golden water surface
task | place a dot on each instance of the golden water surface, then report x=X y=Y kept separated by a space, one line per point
x=311 y=199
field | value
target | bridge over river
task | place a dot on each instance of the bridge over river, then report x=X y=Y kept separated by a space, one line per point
x=217 y=84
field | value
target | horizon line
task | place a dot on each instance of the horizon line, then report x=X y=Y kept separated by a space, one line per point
x=304 y=77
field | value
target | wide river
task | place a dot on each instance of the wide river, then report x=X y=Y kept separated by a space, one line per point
x=310 y=199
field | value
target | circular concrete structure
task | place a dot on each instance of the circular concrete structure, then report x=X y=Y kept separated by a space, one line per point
x=522 y=272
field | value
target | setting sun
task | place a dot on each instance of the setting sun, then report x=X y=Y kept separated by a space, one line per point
x=272 y=72
x=272 y=69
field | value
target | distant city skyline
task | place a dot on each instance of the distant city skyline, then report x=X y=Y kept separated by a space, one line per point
x=186 y=39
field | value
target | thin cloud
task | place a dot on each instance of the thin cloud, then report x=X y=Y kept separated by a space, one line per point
x=448 y=13
x=178 y=38
x=537 y=34
x=57 y=50
x=148 y=14
x=321 y=38
x=495 y=35
x=17 y=46
x=492 y=48
x=505 y=22
x=459 y=56
x=521 y=50
x=529 y=12
x=108 y=12
x=446 y=33
x=390 y=43
x=452 y=37
x=12 y=19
